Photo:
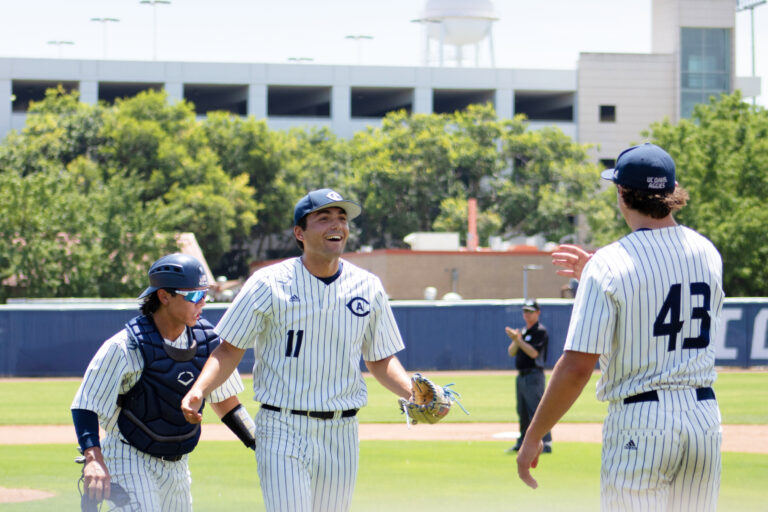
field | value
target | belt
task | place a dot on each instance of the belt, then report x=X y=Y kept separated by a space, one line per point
x=169 y=458
x=527 y=371
x=321 y=415
x=653 y=396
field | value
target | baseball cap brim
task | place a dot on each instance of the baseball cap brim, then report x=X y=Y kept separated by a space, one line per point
x=148 y=291
x=608 y=174
x=351 y=208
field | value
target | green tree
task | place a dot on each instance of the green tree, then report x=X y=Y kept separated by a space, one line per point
x=721 y=155
x=96 y=192
x=547 y=182
x=453 y=217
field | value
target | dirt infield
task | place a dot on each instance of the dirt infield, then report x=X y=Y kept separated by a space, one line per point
x=736 y=438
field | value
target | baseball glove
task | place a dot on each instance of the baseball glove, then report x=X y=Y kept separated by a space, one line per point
x=430 y=403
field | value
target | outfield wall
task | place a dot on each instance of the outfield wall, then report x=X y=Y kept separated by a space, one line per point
x=59 y=339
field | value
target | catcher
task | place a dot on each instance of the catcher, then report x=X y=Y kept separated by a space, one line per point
x=430 y=403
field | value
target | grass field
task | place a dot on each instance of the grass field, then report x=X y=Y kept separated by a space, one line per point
x=743 y=399
x=439 y=475
x=393 y=476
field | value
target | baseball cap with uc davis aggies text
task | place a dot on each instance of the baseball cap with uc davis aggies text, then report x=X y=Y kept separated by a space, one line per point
x=324 y=198
x=643 y=167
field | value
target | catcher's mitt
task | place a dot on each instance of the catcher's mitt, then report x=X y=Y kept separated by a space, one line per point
x=431 y=402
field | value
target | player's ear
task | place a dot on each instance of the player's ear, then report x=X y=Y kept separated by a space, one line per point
x=163 y=296
x=298 y=233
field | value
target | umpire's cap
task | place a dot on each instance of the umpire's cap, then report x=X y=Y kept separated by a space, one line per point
x=177 y=271
x=324 y=198
x=643 y=167
x=530 y=305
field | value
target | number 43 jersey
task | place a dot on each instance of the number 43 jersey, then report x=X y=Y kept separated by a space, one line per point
x=309 y=334
x=650 y=305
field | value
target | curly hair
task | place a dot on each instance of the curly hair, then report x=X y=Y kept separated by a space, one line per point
x=656 y=205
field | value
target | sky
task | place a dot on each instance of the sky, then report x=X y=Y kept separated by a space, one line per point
x=529 y=34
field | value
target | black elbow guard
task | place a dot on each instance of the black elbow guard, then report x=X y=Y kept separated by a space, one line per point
x=239 y=422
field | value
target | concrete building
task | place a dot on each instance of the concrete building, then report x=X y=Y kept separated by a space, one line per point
x=607 y=101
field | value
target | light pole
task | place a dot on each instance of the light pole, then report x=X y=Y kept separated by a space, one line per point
x=357 y=39
x=104 y=22
x=526 y=268
x=154 y=4
x=59 y=44
x=743 y=5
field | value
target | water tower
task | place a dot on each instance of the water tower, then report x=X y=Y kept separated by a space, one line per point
x=457 y=23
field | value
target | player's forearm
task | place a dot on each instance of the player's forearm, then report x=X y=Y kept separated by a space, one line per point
x=391 y=374
x=223 y=407
x=220 y=365
x=572 y=372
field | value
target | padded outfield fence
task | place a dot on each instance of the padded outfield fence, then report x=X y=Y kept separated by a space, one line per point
x=57 y=339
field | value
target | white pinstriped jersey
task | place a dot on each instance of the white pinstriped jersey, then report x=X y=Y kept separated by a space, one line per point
x=116 y=368
x=650 y=305
x=308 y=336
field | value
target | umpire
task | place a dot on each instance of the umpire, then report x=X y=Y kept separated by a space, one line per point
x=529 y=348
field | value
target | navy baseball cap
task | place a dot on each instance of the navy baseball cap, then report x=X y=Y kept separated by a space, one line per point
x=530 y=305
x=324 y=198
x=643 y=167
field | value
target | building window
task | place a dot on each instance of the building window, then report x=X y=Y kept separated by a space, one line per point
x=607 y=113
x=608 y=163
x=705 y=66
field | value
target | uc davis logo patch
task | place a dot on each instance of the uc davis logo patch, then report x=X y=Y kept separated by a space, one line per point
x=359 y=306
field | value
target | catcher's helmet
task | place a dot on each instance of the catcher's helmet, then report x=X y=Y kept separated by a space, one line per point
x=177 y=271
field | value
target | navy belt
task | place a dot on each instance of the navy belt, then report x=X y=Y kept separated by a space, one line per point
x=527 y=371
x=321 y=415
x=170 y=458
x=653 y=396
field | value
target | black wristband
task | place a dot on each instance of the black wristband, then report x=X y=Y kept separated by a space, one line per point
x=239 y=422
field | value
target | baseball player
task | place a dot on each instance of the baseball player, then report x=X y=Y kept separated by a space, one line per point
x=133 y=389
x=309 y=320
x=647 y=307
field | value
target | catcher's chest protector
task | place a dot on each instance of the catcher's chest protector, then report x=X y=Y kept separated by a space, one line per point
x=150 y=418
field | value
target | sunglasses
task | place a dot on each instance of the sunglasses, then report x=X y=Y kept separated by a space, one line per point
x=193 y=296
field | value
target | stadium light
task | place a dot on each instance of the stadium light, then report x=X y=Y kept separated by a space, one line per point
x=357 y=38
x=154 y=4
x=59 y=44
x=104 y=22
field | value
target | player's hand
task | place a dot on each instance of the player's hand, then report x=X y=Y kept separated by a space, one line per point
x=95 y=475
x=572 y=258
x=527 y=458
x=191 y=404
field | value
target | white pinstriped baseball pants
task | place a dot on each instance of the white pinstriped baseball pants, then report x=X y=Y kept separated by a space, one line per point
x=306 y=464
x=662 y=456
x=154 y=485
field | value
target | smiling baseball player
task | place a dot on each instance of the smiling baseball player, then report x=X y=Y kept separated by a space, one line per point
x=647 y=307
x=133 y=388
x=309 y=321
